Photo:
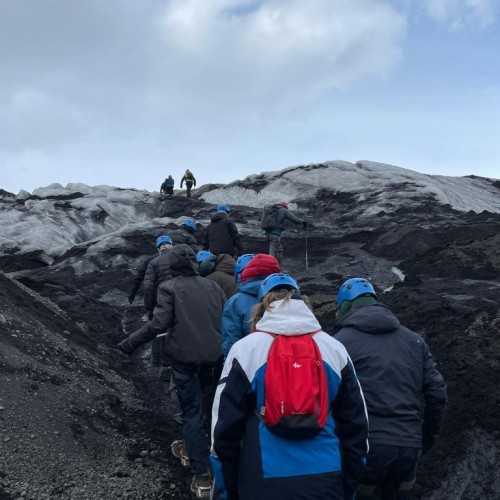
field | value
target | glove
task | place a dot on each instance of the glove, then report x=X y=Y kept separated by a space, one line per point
x=126 y=347
x=131 y=298
x=304 y=223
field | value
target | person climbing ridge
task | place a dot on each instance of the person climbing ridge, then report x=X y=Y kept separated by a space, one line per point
x=273 y=436
x=193 y=340
x=167 y=186
x=404 y=391
x=188 y=177
x=221 y=235
x=273 y=222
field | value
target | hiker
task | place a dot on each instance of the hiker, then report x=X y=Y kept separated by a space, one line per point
x=404 y=391
x=221 y=235
x=157 y=272
x=218 y=268
x=189 y=307
x=250 y=270
x=273 y=222
x=185 y=234
x=188 y=177
x=167 y=186
x=315 y=450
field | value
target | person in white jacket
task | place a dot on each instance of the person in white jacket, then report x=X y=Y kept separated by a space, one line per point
x=251 y=461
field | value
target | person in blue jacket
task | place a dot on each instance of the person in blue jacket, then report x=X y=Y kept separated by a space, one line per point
x=237 y=313
x=249 y=461
x=404 y=391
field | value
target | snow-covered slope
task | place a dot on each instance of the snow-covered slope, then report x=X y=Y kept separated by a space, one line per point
x=387 y=185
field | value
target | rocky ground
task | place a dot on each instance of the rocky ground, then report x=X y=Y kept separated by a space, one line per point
x=79 y=420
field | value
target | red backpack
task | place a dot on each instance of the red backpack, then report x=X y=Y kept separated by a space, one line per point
x=296 y=389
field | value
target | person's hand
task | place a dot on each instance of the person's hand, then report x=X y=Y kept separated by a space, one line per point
x=126 y=347
x=131 y=298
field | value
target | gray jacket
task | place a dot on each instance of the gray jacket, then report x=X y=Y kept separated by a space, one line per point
x=189 y=307
x=403 y=389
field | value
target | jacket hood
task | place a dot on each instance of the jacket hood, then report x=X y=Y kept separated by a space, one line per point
x=225 y=263
x=372 y=318
x=183 y=261
x=251 y=287
x=260 y=266
x=289 y=318
x=217 y=216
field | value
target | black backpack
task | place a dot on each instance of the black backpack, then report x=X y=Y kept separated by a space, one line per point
x=269 y=217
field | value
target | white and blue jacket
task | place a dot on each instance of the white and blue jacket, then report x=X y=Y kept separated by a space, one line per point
x=251 y=462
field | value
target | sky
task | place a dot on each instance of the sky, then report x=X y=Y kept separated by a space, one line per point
x=125 y=93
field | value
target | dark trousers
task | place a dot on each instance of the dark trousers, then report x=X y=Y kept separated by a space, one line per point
x=189 y=186
x=389 y=474
x=195 y=388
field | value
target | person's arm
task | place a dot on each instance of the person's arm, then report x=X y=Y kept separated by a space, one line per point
x=182 y=180
x=150 y=285
x=351 y=418
x=194 y=181
x=435 y=398
x=235 y=236
x=232 y=325
x=161 y=321
x=137 y=281
x=293 y=218
x=230 y=411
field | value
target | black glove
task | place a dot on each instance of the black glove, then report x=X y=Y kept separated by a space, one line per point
x=304 y=223
x=126 y=347
x=131 y=298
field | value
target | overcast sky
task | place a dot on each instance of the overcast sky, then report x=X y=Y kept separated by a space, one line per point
x=125 y=92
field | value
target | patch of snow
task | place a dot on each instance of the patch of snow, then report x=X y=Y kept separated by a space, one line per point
x=398 y=273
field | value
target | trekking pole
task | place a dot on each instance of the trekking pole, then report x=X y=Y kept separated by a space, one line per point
x=307 y=260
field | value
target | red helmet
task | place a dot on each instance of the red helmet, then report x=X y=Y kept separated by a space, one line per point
x=283 y=204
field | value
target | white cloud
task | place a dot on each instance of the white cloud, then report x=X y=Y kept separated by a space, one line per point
x=264 y=53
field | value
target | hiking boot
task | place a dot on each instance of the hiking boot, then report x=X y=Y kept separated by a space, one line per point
x=201 y=485
x=179 y=451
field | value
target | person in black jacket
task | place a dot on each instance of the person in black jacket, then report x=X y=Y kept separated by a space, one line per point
x=222 y=235
x=157 y=272
x=189 y=307
x=405 y=393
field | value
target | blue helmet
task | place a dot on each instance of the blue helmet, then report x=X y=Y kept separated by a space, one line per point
x=353 y=288
x=277 y=280
x=223 y=208
x=190 y=223
x=203 y=255
x=240 y=264
x=162 y=240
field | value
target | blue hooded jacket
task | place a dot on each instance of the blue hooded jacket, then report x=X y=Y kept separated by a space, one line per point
x=237 y=313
